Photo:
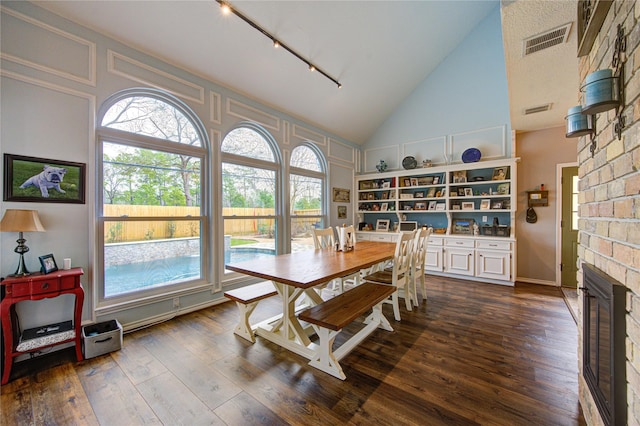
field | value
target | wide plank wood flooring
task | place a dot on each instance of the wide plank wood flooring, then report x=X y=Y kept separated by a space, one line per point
x=473 y=354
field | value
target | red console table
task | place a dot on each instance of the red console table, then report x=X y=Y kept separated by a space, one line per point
x=37 y=287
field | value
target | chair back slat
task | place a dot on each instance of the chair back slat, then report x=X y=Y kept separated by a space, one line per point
x=323 y=238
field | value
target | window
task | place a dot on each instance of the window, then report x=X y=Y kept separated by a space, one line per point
x=152 y=213
x=306 y=189
x=250 y=176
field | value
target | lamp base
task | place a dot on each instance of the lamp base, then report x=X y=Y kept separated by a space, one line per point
x=22 y=270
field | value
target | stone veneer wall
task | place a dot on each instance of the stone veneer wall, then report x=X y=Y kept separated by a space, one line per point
x=609 y=198
x=125 y=253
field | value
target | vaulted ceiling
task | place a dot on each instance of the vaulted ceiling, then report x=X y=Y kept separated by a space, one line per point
x=379 y=51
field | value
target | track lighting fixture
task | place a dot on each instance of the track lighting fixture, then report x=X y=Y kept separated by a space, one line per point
x=227 y=8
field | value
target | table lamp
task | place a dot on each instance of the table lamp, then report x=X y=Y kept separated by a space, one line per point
x=20 y=221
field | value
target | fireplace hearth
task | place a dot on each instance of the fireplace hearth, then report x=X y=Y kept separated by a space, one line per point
x=603 y=334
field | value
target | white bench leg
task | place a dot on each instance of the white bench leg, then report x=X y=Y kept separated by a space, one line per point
x=324 y=359
x=243 y=329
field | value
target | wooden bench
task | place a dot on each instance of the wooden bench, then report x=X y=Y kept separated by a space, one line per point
x=247 y=299
x=330 y=317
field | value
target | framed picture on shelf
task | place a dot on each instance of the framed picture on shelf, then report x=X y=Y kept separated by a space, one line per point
x=503 y=189
x=418 y=195
x=468 y=192
x=496 y=205
x=460 y=176
x=460 y=192
x=420 y=205
x=499 y=173
x=432 y=205
x=406 y=182
x=414 y=181
x=385 y=195
x=462 y=226
x=386 y=185
x=442 y=193
x=455 y=206
x=436 y=180
x=375 y=207
x=425 y=180
x=467 y=205
x=366 y=185
x=407 y=207
x=440 y=206
x=384 y=207
x=431 y=193
x=382 y=225
x=485 y=204
x=371 y=196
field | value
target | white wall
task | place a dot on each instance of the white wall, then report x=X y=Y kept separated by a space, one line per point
x=55 y=75
x=466 y=94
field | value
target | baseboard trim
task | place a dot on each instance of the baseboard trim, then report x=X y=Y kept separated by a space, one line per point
x=536 y=281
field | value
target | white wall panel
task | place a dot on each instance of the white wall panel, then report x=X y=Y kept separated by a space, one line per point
x=246 y=112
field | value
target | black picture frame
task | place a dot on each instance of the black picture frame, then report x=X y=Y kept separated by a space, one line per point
x=42 y=180
x=48 y=264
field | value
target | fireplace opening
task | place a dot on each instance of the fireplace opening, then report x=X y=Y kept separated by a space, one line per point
x=603 y=334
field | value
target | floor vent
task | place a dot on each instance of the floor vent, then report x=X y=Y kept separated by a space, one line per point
x=548 y=39
x=537 y=109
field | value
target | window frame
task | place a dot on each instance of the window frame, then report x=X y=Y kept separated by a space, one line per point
x=202 y=152
x=277 y=167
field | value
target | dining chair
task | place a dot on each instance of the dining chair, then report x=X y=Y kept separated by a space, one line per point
x=416 y=272
x=325 y=238
x=398 y=274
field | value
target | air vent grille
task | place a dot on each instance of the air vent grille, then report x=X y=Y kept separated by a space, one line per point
x=547 y=39
x=537 y=109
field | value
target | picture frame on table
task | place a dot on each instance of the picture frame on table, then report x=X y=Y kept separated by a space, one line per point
x=382 y=225
x=467 y=205
x=43 y=180
x=48 y=264
x=462 y=226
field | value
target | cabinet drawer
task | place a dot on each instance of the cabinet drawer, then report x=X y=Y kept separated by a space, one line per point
x=494 y=245
x=435 y=241
x=68 y=283
x=386 y=238
x=459 y=243
x=35 y=287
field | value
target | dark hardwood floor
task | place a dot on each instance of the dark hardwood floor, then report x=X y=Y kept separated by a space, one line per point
x=472 y=354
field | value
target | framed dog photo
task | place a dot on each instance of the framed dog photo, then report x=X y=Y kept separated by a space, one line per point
x=42 y=180
x=48 y=264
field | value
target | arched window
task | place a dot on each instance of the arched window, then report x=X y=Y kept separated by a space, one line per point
x=250 y=194
x=152 y=160
x=306 y=192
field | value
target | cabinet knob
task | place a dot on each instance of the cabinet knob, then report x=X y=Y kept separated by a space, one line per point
x=44 y=286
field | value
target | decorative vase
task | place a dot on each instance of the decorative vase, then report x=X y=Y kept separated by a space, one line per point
x=382 y=166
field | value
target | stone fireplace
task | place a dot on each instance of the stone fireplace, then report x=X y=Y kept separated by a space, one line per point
x=609 y=221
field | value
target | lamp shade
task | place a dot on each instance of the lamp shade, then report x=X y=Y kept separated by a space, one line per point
x=15 y=220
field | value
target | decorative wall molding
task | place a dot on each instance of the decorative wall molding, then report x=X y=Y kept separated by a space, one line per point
x=434 y=149
x=492 y=143
x=123 y=66
x=341 y=152
x=54 y=63
x=246 y=112
x=304 y=134
x=215 y=107
x=286 y=127
x=390 y=154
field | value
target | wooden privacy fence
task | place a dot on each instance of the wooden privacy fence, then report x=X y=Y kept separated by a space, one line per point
x=126 y=231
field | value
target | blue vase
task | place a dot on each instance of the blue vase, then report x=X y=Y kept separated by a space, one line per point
x=382 y=166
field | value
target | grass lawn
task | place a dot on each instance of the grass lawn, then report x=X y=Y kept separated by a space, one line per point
x=241 y=242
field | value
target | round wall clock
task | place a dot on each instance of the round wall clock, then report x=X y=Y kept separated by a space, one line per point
x=409 y=162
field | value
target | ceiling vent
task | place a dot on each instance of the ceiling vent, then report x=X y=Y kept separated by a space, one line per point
x=534 y=110
x=548 y=39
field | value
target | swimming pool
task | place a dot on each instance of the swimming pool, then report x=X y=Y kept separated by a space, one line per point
x=120 y=279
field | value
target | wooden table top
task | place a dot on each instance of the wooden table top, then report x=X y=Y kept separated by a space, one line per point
x=309 y=268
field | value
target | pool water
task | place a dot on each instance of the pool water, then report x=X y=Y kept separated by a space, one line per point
x=126 y=278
